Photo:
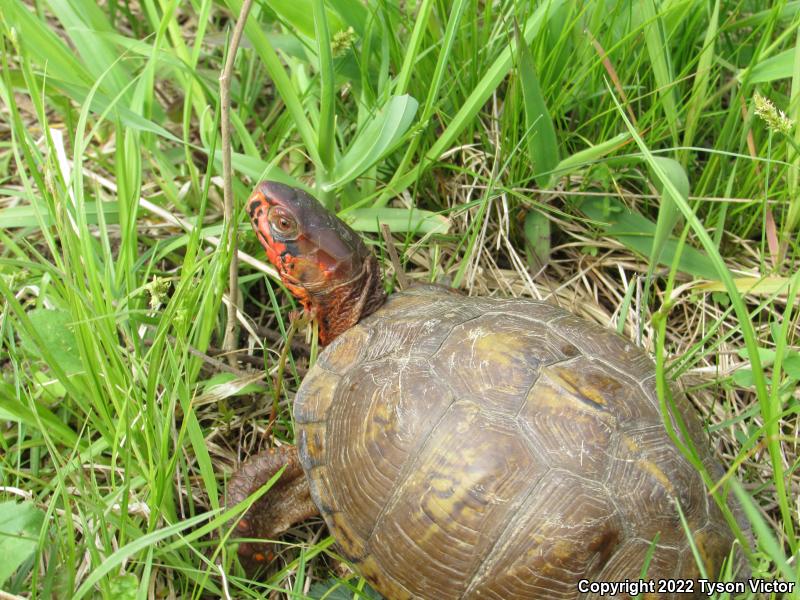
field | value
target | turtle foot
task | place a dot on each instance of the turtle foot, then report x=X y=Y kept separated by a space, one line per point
x=286 y=503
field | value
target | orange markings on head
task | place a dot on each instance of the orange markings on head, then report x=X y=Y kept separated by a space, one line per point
x=319 y=258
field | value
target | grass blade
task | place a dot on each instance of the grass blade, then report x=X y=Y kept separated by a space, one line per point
x=380 y=136
x=773 y=68
x=479 y=95
x=399 y=220
x=638 y=233
x=668 y=213
x=283 y=84
x=769 y=410
x=541 y=135
x=326 y=140
x=702 y=77
x=658 y=49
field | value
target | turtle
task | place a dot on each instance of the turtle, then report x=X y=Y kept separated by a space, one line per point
x=465 y=447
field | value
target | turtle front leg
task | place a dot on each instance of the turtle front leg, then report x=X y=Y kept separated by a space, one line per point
x=286 y=503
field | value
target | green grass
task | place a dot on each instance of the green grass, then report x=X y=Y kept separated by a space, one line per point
x=619 y=145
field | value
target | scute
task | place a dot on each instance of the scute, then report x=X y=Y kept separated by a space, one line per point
x=381 y=414
x=565 y=530
x=318 y=390
x=474 y=447
x=656 y=475
x=495 y=357
x=602 y=344
x=630 y=562
x=565 y=429
x=346 y=352
x=464 y=487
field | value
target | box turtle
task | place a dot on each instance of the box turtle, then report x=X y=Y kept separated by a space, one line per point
x=463 y=447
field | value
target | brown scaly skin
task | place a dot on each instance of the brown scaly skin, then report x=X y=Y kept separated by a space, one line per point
x=327 y=267
x=287 y=502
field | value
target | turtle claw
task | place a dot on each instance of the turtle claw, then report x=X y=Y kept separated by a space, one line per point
x=286 y=503
x=252 y=555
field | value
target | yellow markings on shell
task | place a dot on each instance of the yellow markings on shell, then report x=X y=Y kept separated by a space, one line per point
x=630 y=443
x=656 y=472
x=351 y=543
x=376 y=575
x=649 y=466
x=702 y=542
x=447 y=490
x=502 y=350
x=576 y=385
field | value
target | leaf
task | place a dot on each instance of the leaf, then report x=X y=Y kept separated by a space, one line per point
x=399 y=220
x=80 y=21
x=589 y=155
x=658 y=50
x=668 y=212
x=277 y=73
x=751 y=285
x=225 y=385
x=765 y=355
x=334 y=589
x=43 y=44
x=288 y=44
x=35 y=415
x=124 y=586
x=55 y=328
x=299 y=14
x=354 y=14
x=379 y=136
x=25 y=215
x=537 y=239
x=258 y=170
x=702 y=76
x=20 y=526
x=117 y=558
x=541 y=135
x=490 y=81
x=100 y=103
x=764 y=535
x=326 y=128
x=412 y=54
x=773 y=68
x=791 y=365
x=637 y=232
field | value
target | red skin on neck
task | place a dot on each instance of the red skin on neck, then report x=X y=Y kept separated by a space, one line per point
x=324 y=264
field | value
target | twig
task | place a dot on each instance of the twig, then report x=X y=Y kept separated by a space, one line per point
x=612 y=72
x=224 y=578
x=296 y=323
x=299 y=346
x=227 y=177
x=211 y=360
x=398 y=268
x=188 y=227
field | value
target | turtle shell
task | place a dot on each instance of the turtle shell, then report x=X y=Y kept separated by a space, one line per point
x=486 y=448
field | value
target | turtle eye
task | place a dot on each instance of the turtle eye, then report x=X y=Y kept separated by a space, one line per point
x=282 y=222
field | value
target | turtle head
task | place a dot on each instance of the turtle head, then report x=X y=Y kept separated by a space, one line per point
x=322 y=262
